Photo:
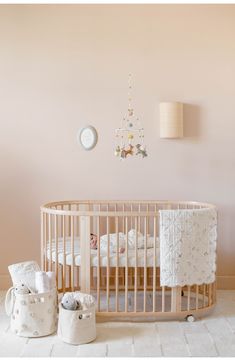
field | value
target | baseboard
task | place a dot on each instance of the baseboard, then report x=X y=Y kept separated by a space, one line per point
x=223 y=282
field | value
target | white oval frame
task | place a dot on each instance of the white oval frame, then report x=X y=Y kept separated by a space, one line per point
x=94 y=134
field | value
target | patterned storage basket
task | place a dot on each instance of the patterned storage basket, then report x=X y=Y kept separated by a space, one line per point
x=77 y=327
x=32 y=315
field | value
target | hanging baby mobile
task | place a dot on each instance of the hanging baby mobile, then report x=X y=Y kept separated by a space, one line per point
x=130 y=137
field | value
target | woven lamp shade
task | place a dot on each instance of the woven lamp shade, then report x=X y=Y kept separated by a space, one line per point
x=171 y=120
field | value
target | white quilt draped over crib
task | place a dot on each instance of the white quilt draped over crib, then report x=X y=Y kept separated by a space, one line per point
x=187 y=246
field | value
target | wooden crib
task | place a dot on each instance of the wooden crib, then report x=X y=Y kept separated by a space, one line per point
x=126 y=286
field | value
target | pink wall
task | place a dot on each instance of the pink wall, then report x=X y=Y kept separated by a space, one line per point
x=62 y=67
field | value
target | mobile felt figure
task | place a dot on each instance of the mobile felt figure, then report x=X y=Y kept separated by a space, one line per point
x=141 y=150
x=117 y=151
x=126 y=152
x=130 y=137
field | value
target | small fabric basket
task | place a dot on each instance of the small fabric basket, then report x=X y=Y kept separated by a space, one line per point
x=77 y=327
x=33 y=315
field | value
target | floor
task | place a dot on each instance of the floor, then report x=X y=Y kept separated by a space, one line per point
x=211 y=336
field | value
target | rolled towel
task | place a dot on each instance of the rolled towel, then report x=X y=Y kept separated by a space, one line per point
x=42 y=282
x=52 y=280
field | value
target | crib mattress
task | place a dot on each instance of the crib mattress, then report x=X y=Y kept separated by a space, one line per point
x=104 y=260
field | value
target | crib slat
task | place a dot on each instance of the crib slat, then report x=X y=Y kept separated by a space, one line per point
x=64 y=255
x=126 y=267
x=72 y=250
x=131 y=217
x=163 y=298
x=98 y=268
x=56 y=248
x=42 y=241
x=76 y=234
x=123 y=218
x=214 y=292
x=69 y=220
x=154 y=261
x=204 y=295
x=61 y=224
x=209 y=295
x=85 y=251
x=197 y=297
x=188 y=300
x=107 y=268
x=50 y=242
x=145 y=261
x=46 y=241
x=117 y=263
x=136 y=262
x=61 y=266
x=139 y=284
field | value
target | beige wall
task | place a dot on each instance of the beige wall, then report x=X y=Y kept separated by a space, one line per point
x=62 y=67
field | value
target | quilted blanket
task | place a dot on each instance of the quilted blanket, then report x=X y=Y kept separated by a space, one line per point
x=187 y=246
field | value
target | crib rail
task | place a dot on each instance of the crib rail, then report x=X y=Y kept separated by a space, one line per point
x=125 y=283
x=90 y=207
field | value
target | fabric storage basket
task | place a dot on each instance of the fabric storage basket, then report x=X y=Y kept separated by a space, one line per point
x=77 y=327
x=33 y=315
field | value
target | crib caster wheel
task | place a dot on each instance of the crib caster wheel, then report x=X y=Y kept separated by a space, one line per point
x=190 y=318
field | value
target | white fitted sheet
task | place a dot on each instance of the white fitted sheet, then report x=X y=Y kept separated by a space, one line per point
x=103 y=255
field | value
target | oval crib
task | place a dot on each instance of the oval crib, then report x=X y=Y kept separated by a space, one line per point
x=124 y=275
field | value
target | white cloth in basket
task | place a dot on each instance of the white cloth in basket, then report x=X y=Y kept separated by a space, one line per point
x=187 y=246
x=44 y=281
x=24 y=272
